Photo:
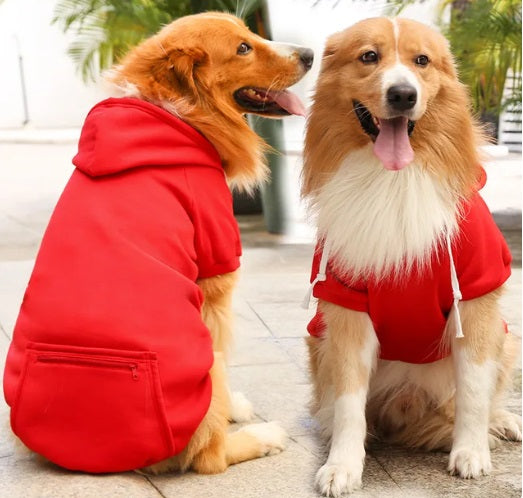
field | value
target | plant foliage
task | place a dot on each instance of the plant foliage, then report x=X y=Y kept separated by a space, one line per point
x=486 y=39
x=104 y=30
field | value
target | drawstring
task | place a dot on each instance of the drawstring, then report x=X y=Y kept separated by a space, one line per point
x=456 y=292
x=321 y=276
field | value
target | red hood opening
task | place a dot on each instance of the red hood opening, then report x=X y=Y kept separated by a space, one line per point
x=120 y=134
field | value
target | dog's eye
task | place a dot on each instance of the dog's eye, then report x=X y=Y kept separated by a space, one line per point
x=243 y=49
x=421 y=60
x=369 y=57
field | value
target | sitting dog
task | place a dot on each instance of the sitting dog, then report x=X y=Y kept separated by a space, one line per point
x=409 y=265
x=111 y=367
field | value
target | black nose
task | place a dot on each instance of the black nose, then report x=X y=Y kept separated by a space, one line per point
x=402 y=97
x=306 y=57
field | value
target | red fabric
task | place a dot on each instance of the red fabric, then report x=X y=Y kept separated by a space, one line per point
x=109 y=365
x=410 y=314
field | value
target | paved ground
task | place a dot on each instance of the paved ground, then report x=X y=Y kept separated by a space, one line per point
x=268 y=364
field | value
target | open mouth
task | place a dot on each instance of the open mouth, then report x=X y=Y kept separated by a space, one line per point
x=390 y=136
x=371 y=124
x=269 y=102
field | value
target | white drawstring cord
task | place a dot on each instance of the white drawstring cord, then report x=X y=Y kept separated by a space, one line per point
x=456 y=292
x=321 y=276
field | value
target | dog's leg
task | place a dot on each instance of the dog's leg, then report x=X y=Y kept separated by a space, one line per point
x=503 y=424
x=476 y=358
x=218 y=449
x=217 y=315
x=352 y=350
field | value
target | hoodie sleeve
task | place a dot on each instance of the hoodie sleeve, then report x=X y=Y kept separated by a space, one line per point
x=482 y=254
x=336 y=290
x=216 y=233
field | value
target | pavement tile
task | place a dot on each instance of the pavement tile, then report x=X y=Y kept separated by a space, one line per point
x=425 y=474
x=14 y=276
x=284 y=319
x=246 y=322
x=257 y=350
x=31 y=477
x=278 y=391
x=286 y=475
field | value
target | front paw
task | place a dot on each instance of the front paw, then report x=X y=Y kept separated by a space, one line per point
x=241 y=408
x=271 y=437
x=337 y=479
x=468 y=463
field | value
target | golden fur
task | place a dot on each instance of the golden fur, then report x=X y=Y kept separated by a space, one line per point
x=417 y=411
x=191 y=69
x=342 y=78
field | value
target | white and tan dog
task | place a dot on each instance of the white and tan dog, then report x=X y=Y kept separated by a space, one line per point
x=408 y=337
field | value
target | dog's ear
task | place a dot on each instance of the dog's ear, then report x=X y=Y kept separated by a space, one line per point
x=447 y=61
x=179 y=67
x=331 y=49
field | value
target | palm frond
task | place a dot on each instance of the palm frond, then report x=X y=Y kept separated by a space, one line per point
x=105 y=29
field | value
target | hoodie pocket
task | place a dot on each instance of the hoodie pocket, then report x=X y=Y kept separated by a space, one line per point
x=92 y=409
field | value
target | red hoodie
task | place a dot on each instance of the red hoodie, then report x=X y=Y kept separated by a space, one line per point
x=410 y=314
x=109 y=365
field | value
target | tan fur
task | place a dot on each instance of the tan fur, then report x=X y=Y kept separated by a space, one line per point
x=343 y=78
x=485 y=336
x=347 y=333
x=190 y=69
x=418 y=412
x=216 y=309
x=412 y=417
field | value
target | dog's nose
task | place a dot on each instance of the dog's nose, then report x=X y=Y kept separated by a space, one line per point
x=402 y=97
x=306 y=57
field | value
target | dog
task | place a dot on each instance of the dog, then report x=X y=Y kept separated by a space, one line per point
x=118 y=354
x=409 y=265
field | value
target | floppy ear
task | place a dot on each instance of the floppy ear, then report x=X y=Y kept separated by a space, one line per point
x=447 y=61
x=331 y=48
x=179 y=67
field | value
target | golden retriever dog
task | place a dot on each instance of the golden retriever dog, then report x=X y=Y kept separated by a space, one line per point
x=118 y=355
x=408 y=342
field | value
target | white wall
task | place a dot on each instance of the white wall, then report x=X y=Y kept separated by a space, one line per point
x=57 y=97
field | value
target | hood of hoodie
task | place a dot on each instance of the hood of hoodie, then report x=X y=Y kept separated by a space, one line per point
x=124 y=133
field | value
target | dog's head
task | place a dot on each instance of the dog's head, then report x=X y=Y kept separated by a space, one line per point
x=210 y=70
x=391 y=85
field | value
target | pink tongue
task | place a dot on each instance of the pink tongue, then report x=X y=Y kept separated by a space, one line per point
x=290 y=102
x=392 y=146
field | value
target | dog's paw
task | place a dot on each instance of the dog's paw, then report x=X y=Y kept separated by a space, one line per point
x=337 y=479
x=469 y=463
x=241 y=408
x=505 y=425
x=271 y=436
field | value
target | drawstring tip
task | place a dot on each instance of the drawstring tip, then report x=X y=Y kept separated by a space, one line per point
x=321 y=277
x=457 y=321
x=307 y=299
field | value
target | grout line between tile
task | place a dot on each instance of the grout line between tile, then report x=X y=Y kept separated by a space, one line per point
x=385 y=470
x=5 y=332
x=157 y=489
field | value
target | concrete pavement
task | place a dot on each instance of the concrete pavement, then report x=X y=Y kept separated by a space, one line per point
x=269 y=362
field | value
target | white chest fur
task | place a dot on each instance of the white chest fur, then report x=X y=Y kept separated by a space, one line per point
x=380 y=221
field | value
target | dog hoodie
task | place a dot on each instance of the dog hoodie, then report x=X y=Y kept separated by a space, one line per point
x=109 y=365
x=410 y=313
